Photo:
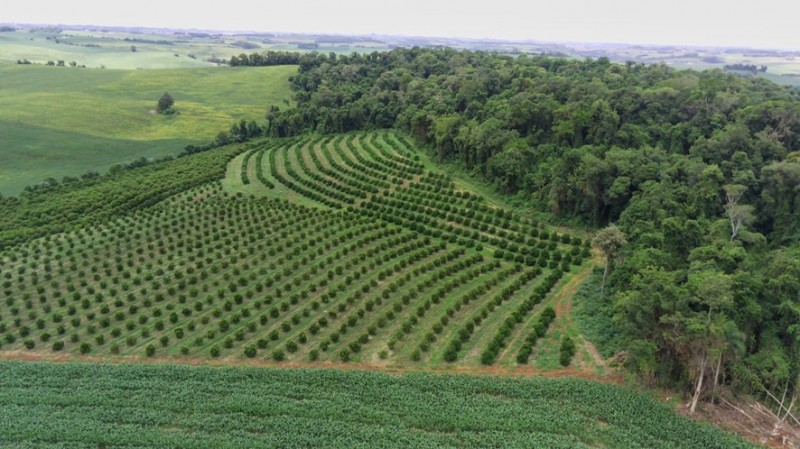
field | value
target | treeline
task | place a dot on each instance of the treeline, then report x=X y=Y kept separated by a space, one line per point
x=699 y=169
x=265 y=59
x=59 y=63
x=746 y=68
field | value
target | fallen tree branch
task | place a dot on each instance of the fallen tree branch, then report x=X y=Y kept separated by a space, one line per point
x=737 y=409
x=788 y=412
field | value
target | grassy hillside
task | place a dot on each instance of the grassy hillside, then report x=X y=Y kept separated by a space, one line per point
x=81 y=405
x=59 y=121
x=373 y=259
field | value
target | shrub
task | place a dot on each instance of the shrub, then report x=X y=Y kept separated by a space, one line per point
x=451 y=354
x=567 y=350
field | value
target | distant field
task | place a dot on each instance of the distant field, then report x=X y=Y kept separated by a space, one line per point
x=113 y=49
x=82 y=405
x=58 y=121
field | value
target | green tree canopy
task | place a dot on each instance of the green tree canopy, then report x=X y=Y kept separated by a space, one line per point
x=165 y=103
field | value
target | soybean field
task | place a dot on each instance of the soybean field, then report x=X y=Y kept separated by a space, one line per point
x=140 y=405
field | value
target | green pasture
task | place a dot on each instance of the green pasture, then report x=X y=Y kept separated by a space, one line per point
x=59 y=121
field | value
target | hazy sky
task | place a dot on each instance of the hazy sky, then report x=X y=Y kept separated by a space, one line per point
x=762 y=23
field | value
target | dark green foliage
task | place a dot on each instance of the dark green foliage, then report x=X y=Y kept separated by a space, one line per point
x=165 y=104
x=269 y=58
x=592 y=316
x=538 y=331
x=566 y=351
x=654 y=150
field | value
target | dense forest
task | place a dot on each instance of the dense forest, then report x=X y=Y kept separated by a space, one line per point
x=700 y=171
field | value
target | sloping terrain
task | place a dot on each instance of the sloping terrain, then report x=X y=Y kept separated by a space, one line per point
x=372 y=258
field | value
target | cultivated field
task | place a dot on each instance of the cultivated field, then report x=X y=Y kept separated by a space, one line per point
x=84 y=405
x=348 y=250
x=63 y=121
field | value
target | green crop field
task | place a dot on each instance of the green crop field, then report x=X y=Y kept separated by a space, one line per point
x=59 y=121
x=344 y=249
x=84 y=405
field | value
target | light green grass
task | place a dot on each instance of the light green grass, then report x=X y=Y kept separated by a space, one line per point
x=58 y=121
x=29 y=154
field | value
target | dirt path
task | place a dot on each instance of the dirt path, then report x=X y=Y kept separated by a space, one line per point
x=562 y=301
x=594 y=353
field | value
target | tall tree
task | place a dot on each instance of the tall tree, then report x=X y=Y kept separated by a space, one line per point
x=704 y=325
x=609 y=240
x=738 y=214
